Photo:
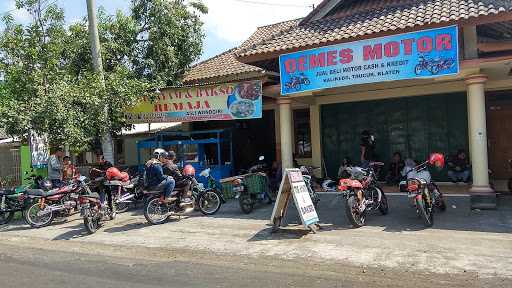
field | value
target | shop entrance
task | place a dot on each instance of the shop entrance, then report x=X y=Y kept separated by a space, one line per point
x=251 y=138
x=413 y=126
x=499 y=127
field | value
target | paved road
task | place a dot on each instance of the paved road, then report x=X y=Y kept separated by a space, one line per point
x=474 y=244
x=80 y=265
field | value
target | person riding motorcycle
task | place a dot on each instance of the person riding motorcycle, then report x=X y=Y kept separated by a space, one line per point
x=154 y=177
x=172 y=170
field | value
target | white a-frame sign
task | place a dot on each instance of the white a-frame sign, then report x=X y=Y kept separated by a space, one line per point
x=293 y=185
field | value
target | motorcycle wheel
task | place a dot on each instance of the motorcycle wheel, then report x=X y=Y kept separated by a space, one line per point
x=246 y=203
x=6 y=217
x=155 y=212
x=209 y=203
x=426 y=213
x=418 y=69
x=91 y=224
x=37 y=221
x=122 y=207
x=352 y=210
x=383 y=207
x=434 y=69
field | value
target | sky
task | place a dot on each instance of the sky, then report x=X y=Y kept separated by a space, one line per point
x=228 y=23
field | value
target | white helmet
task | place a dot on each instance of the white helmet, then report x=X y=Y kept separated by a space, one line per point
x=159 y=152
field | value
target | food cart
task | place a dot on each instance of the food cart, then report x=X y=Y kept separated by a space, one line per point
x=202 y=149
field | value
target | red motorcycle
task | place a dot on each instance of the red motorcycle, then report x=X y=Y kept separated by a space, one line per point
x=424 y=194
x=363 y=194
x=51 y=202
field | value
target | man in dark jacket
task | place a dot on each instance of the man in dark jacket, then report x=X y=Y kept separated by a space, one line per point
x=172 y=170
x=458 y=167
x=155 y=179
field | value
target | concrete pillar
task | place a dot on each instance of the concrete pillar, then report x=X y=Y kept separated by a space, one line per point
x=482 y=196
x=277 y=127
x=285 y=117
x=316 y=147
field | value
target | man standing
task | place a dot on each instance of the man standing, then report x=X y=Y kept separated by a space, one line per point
x=55 y=168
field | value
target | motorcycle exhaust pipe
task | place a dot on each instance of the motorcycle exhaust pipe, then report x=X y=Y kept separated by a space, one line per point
x=57 y=208
x=125 y=198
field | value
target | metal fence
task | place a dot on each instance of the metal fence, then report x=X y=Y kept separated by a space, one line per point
x=10 y=164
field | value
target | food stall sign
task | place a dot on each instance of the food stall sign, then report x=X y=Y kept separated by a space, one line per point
x=293 y=185
x=421 y=54
x=228 y=101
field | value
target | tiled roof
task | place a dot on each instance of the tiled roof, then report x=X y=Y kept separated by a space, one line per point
x=226 y=65
x=373 y=16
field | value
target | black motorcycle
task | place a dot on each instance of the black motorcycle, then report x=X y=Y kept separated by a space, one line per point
x=248 y=199
x=157 y=211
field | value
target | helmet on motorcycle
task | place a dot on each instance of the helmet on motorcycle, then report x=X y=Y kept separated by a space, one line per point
x=189 y=170
x=436 y=159
x=304 y=170
x=113 y=173
x=159 y=152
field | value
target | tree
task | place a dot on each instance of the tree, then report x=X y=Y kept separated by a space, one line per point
x=49 y=83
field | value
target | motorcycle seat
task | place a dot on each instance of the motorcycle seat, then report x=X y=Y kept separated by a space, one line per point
x=42 y=193
x=173 y=193
x=7 y=192
x=114 y=183
x=93 y=195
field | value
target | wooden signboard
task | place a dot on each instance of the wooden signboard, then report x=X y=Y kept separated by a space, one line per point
x=293 y=185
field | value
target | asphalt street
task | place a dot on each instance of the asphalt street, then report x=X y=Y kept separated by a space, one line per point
x=464 y=249
x=81 y=265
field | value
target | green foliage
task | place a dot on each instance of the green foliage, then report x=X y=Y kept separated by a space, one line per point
x=48 y=80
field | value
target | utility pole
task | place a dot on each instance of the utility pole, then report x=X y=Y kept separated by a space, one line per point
x=106 y=141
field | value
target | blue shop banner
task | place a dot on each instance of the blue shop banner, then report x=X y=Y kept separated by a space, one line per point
x=421 y=54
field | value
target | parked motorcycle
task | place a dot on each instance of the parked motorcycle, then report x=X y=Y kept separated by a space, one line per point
x=248 y=199
x=49 y=202
x=363 y=194
x=156 y=211
x=92 y=210
x=125 y=192
x=12 y=201
x=424 y=193
x=307 y=175
x=16 y=199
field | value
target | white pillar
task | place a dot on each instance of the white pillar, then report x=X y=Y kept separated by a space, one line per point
x=478 y=133
x=285 y=121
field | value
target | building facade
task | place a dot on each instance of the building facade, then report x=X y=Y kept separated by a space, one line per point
x=470 y=109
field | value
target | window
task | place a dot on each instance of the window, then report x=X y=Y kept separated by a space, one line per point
x=302 y=133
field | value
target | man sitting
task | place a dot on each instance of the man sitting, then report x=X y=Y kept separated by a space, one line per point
x=172 y=170
x=458 y=167
x=155 y=179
